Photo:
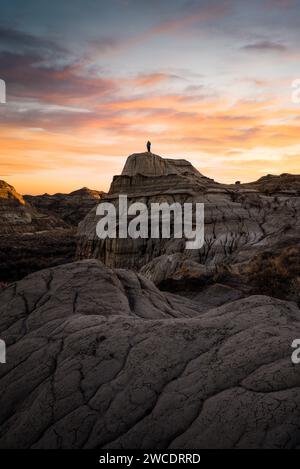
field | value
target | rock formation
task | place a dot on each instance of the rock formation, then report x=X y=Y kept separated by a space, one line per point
x=100 y=358
x=24 y=253
x=18 y=216
x=38 y=231
x=241 y=221
x=71 y=208
x=288 y=184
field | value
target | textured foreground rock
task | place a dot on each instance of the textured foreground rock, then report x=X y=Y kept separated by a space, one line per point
x=101 y=358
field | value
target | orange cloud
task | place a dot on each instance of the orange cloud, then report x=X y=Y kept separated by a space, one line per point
x=62 y=149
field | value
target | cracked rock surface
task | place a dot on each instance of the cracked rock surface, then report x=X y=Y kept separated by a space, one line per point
x=100 y=358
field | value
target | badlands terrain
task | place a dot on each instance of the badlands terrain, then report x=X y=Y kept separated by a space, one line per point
x=251 y=231
x=39 y=231
x=143 y=344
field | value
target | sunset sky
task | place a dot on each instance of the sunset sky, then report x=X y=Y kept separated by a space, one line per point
x=89 y=82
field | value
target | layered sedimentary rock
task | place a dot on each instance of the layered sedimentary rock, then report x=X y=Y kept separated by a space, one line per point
x=24 y=253
x=29 y=239
x=39 y=231
x=71 y=208
x=18 y=216
x=284 y=184
x=146 y=178
x=100 y=358
x=241 y=221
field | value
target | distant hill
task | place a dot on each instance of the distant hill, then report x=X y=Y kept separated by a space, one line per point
x=39 y=231
x=71 y=208
x=18 y=216
x=288 y=183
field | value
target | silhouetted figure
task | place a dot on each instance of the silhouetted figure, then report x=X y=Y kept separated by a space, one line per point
x=148 y=146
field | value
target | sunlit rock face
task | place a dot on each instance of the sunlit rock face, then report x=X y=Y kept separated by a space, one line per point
x=18 y=216
x=30 y=238
x=241 y=220
x=39 y=231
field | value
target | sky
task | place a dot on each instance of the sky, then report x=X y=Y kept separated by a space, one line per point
x=88 y=82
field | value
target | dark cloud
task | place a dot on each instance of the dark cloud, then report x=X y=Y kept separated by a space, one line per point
x=105 y=44
x=15 y=38
x=39 y=68
x=265 y=46
x=27 y=76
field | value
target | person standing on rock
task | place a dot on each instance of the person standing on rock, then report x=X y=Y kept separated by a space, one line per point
x=149 y=146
